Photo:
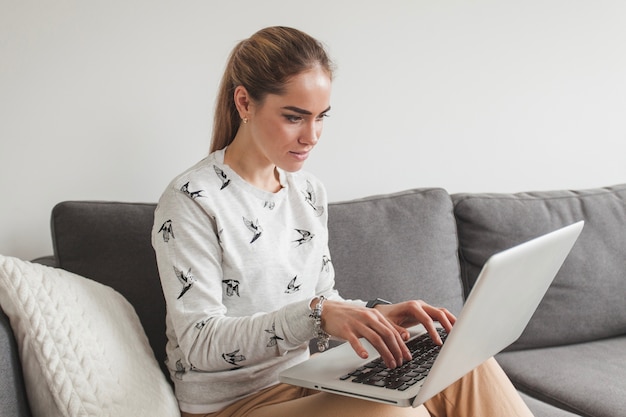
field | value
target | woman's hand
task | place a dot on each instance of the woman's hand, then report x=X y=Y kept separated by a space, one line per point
x=349 y=322
x=411 y=313
x=383 y=326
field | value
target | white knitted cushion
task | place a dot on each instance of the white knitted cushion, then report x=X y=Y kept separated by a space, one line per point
x=83 y=350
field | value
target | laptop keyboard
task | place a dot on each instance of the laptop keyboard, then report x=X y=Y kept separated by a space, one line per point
x=424 y=352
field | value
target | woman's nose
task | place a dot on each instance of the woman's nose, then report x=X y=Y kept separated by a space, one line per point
x=311 y=134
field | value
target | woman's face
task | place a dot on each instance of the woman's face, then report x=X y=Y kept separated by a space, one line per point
x=285 y=128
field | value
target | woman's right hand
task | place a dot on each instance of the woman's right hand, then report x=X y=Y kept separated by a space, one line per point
x=349 y=322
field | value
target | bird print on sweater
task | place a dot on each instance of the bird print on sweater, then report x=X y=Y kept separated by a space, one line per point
x=232 y=287
x=326 y=263
x=233 y=358
x=311 y=199
x=305 y=237
x=186 y=279
x=292 y=287
x=222 y=176
x=166 y=229
x=191 y=194
x=180 y=370
x=254 y=227
x=274 y=338
x=200 y=325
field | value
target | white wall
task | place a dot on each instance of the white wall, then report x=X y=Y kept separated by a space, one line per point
x=110 y=99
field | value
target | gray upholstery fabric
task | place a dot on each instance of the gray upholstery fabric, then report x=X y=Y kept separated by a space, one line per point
x=397 y=247
x=401 y=238
x=586 y=300
x=402 y=246
x=13 y=401
x=541 y=409
x=556 y=375
x=49 y=260
x=110 y=242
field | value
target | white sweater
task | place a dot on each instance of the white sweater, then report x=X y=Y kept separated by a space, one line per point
x=239 y=267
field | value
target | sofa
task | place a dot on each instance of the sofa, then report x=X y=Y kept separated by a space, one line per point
x=418 y=244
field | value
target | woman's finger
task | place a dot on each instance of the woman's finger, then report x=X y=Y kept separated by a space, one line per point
x=386 y=345
x=382 y=335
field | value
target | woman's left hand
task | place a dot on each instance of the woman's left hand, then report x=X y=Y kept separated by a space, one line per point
x=411 y=313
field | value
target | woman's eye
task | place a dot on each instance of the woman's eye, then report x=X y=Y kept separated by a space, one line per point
x=292 y=118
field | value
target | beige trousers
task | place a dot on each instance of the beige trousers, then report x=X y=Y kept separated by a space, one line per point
x=485 y=391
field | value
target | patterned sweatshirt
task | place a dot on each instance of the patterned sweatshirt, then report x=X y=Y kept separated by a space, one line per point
x=239 y=267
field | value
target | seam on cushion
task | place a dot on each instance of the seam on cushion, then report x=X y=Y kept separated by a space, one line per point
x=458 y=255
x=536 y=195
x=463 y=271
x=55 y=245
x=391 y=195
x=549 y=399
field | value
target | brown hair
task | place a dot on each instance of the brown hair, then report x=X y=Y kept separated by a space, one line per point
x=263 y=64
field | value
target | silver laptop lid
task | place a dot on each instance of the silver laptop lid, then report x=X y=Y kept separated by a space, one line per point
x=506 y=294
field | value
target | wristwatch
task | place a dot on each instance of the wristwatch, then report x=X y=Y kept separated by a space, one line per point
x=374 y=303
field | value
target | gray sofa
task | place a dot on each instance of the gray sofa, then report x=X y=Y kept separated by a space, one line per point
x=422 y=243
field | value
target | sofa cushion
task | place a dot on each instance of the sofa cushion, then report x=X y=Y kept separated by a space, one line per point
x=586 y=300
x=82 y=346
x=543 y=409
x=399 y=246
x=586 y=378
x=109 y=242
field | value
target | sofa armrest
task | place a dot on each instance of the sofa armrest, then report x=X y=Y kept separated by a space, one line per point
x=13 y=400
x=48 y=260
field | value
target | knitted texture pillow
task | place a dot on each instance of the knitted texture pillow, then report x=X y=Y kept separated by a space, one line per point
x=83 y=350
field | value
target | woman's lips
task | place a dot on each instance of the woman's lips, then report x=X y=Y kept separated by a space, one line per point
x=300 y=155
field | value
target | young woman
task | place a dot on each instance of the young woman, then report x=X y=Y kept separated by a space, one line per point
x=241 y=245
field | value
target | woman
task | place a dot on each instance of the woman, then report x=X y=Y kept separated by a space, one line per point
x=241 y=245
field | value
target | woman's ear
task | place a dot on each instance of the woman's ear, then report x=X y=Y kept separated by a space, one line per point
x=242 y=102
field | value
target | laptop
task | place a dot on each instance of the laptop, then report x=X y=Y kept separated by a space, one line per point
x=506 y=294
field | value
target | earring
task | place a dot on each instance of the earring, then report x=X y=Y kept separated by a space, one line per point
x=245 y=120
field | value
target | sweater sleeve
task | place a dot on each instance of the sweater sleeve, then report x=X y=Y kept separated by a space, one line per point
x=189 y=257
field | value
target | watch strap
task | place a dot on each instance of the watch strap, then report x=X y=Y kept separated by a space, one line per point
x=374 y=303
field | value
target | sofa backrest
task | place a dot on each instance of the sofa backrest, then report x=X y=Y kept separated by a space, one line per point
x=398 y=247
x=109 y=242
x=586 y=300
